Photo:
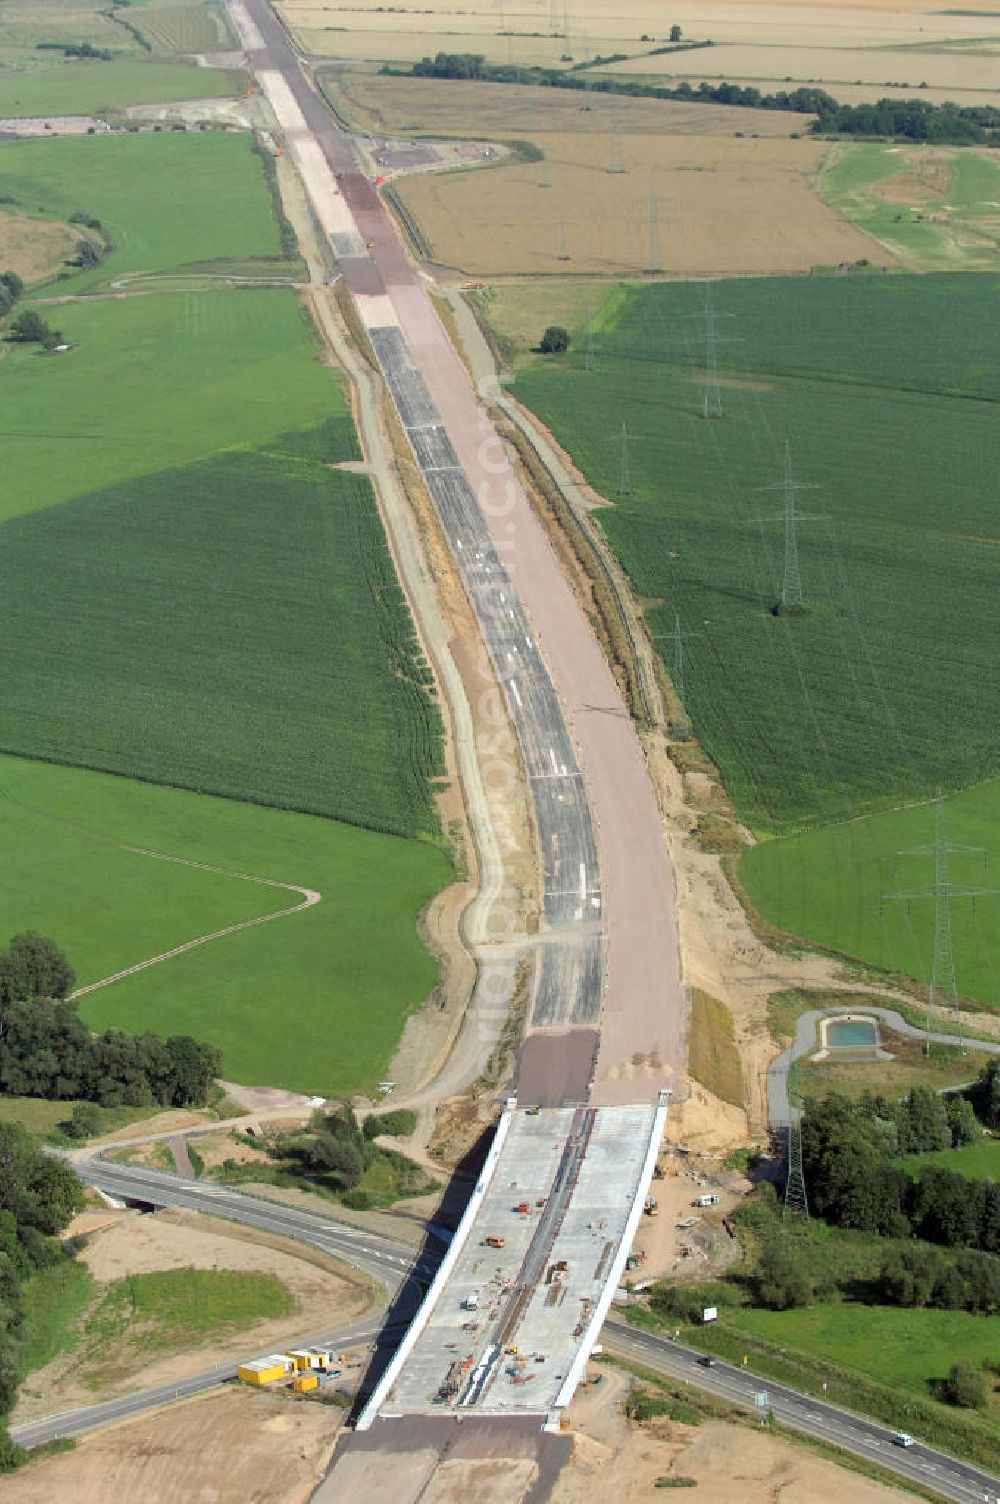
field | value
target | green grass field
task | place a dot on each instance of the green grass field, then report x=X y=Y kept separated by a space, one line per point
x=134 y=183
x=828 y=885
x=54 y=1301
x=936 y=209
x=827 y=714
x=203 y=373
x=978 y=1161
x=901 y=1348
x=81 y=87
x=107 y=1326
x=314 y=1002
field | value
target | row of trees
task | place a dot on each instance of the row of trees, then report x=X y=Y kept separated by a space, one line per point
x=921 y=1276
x=914 y=120
x=850 y=1158
x=909 y=119
x=473 y=65
x=46 y=1049
x=38 y=1197
x=11 y=288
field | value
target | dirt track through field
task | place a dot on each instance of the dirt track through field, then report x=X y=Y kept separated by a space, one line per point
x=310 y=897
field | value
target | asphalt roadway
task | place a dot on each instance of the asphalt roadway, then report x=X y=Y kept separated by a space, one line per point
x=393 y=1262
x=840 y=1428
x=608 y=951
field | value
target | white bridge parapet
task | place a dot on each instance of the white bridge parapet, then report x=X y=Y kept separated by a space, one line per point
x=517 y=1305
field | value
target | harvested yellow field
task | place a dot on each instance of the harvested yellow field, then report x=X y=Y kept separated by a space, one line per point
x=847 y=45
x=501 y=111
x=34 y=248
x=685 y=203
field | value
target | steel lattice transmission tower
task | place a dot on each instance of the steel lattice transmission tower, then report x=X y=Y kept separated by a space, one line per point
x=942 y=891
x=796 y=1202
x=712 y=405
x=589 y=355
x=655 y=253
x=616 y=161
x=678 y=637
x=624 y=474
x=791 y=579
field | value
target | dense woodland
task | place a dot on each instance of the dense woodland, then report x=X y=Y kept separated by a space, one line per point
x=852 y=1153
x=38 y=1197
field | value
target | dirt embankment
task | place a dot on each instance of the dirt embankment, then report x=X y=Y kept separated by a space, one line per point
x=731 y=1463
x=226 y=1448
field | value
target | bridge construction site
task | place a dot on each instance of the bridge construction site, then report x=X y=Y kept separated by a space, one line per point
x=518 y=1303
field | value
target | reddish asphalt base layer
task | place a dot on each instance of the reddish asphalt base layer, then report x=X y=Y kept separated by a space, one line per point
x=643 y=1015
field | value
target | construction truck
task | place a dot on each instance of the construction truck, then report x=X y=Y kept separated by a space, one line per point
x=652 y=1207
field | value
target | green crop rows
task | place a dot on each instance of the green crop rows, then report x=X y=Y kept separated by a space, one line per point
x=886 y=388
x=221 y=627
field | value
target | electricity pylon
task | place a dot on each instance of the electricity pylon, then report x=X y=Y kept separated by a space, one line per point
x=942 y=890
x=796 y=1202
x=624 y=476
x=616 y=161
x=589 y=357
x=678 y=637
x=712 y=406
x=654 y=231
x=791 y=579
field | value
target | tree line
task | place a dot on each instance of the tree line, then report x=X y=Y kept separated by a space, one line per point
x=46 y=1049
x=907 y=119
x=38 y=1197
x=851 y=1154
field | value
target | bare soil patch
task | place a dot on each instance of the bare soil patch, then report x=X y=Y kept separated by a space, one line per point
x=928 y=179
x=731 y=1463
x=34 y=248
x=226 y=1448
x=325 y=1292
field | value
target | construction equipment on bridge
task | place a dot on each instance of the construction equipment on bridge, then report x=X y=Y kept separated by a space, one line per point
x=494 y=1242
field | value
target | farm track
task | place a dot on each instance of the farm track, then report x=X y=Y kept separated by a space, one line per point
x=309 y=900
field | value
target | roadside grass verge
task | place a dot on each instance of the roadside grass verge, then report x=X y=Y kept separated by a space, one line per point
x=876 y=1361
x=168 y=1310
x=314 y=1002
x=134 y=184
x=81 y=87
x=54 y=1301
x=388 y=1178
x=713 y=1058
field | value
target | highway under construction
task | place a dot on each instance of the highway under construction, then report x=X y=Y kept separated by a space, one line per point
x=506 y=1329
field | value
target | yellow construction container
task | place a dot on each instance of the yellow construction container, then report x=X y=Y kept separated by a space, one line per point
x=299 y=1358
x=303 y=1382
x=263 y=1370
